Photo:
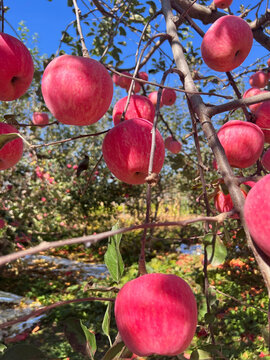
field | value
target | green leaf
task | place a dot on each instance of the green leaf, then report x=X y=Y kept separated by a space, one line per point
x=200 y=355
x=70 y=3
x=113 y=258
x=23 y=351
x=226 y=234
x=106 y=322
x=114 y=351
x=5 y=138
x=91 y=339
x=217 y=253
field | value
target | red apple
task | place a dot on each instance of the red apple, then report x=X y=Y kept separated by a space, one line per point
x=242 y=142
x=257 y=213
x=16 y=68
x=263 y=119
x=143 y=75
x=173 y=145
x=77 y=90
x=125 y=82
x=139 y=107
x=168 y=97
x=259 y=79
x=156 y=314
x=40 y=118
x=126 y=150
x=223 y=4
x=252 y=92
x=227 y=43
x=12 y=151
x=2 y=223
x=266 y=160
x=223 y=203
x=153 y=98
x=116 y=79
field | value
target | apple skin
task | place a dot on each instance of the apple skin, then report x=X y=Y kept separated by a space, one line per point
x=139 y=107
x=77 y=90
x=227 y=43
x=125 y=83
x=242 y=142
x=266 y=160
x=223 y=4
x=153 y=98
x=259 y=79
x=257 y=213
x=16 y=68
x=12 y=151
x=168 y=97
x=262 y=115
x=126 y=150
x=173 y=145
x=156 y=314
x=143 y=75
x=40 y=119
x=223 y=203
x=252 y=92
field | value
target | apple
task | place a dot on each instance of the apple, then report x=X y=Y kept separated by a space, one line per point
x=139 y=107
x=266 y=160
x=126 y=150
x=252 y=92
x=156 y=314
x=242 y=142
x=143 y=75
x=223 y=4
x=259 y=79
x=116 y=79
x=153 y=98
x=125 y=82
x=268 y=62
x=12 y=151
x=223 y=203
x=257 y=213
x=2 y=223
x=262 y=115
x=40 y=118
x=168 y=97
x=227 y=43
x=173 y=145
x=16 y=68
x=77 y=90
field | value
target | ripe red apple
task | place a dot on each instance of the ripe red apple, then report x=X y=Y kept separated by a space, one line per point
x=257 y=213
x=125 y=82
x=173 y=145
x=40 y=118
x=143 y=75
x=266 y=160
x=242 y=142
x=168 y=97
x=153 y=98
x=227 y=43
x=16 y=68
x=77 y=90
x=252 y=92
x=139 y=107
x=126 y=150
x=12 y=151
x=223 y=4
x=116 y=79
x=259 y=79
x=223 y=203
x=156 y=314
x=262 y=115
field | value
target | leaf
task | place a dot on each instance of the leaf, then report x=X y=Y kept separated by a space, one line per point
x=113 y=351
x=220 y=252
x=2 y=348
x=5 y=138
x=76 y=336
x=23 y=351
x=227 y=235
x=106 y=322
x=200 y=355
x=70 y=3
x=91 y=339
x=113 y=258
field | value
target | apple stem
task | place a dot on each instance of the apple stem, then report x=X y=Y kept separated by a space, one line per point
x=2 y=16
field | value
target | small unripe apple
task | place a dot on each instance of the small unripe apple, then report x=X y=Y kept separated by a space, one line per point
x=168 y=97
x=16 y=68
x=223 y=4
x=139 y=107
x=242 y=142
x=12 y=151
x=77 y=90
x=257 y=213
x=227 y=43
x=259 y=79
x=40 y=119
x=156 y=314
x=173 y=145
x=263 y=119
x=266 y=160
x=126 y=150
x=252 y=92
x=153 y=98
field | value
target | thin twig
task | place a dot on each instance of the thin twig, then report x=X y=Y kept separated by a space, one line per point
x=78 y=13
